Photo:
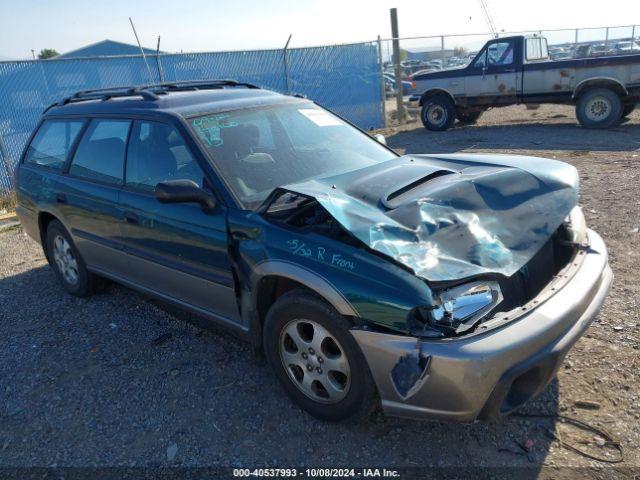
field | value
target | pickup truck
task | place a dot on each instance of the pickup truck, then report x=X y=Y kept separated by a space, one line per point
x=518 y=69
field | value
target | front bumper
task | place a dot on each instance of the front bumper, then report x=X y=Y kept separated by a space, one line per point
x=489 y=374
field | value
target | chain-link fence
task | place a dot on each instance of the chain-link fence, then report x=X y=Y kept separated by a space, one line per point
x=435 y=53
x=344 y=78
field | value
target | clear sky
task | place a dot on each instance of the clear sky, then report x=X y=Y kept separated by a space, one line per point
x=210 y=25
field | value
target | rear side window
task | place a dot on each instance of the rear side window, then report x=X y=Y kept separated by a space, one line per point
x=100 y=154
x=52 y=143
x=537 y=49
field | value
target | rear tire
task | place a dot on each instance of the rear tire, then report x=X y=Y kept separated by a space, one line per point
x=466 y=117
x=599 y=108
x=438 y=113
x=316 y=359
x=66 y=262
x=627 y=109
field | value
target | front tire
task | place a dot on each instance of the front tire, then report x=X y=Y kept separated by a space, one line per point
x=438 y=113
x=599 y=108
x=316 y=359
x=66 y=262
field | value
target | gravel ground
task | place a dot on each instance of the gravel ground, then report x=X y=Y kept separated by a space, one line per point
x=116 y=381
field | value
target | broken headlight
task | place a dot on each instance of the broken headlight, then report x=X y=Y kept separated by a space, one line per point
x=459 y=309
x=576 y=227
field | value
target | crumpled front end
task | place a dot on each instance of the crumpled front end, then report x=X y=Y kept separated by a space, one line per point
x=452 y=217
x=490 y=374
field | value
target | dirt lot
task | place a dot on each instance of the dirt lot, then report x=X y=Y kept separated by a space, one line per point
x=113 y=380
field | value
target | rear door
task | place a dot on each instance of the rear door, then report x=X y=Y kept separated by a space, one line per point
x=41 y=172
x=493 y=77
x=177 y=250
x=88 y=196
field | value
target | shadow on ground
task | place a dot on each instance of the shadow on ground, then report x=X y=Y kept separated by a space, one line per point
x=525 y=136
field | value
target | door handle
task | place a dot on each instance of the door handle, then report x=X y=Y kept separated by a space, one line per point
x=131 y=217
x=61 y=198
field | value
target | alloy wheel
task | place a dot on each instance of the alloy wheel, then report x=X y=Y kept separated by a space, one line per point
x=315 y=361
x=65 y=260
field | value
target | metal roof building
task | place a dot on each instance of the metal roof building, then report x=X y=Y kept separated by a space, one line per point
x=106 y=48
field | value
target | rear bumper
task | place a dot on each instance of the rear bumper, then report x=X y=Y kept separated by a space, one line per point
x=29 y=220
x=490 y=374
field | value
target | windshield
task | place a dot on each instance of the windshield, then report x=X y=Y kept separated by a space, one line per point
x=261 y=149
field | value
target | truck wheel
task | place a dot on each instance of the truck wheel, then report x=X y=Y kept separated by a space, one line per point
x=316 y=359
x=468 y=117
x=438 y=113
x=627 y=109
x=599 y=108
x=67 y=263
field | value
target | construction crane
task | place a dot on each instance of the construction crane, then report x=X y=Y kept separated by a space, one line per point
x=487 y=17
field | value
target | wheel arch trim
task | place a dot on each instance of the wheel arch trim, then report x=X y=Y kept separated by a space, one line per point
x=602 y=82
x=433 y=92
x=304 y=276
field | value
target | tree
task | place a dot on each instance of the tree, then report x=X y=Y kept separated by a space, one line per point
x=403 y=55
x=47 y=53
x=459 y=51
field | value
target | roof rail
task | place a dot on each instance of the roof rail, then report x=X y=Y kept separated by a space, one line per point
x=203 y=84
x=149 y=92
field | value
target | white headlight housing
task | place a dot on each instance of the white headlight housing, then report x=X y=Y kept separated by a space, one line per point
x=460 y=308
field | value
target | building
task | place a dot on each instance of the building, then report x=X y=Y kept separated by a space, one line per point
x=106 y=48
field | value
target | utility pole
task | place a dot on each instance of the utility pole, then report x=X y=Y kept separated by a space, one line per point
x=396 y=63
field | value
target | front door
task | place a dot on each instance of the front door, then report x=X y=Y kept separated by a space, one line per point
x=176 y=250
x=493 y=78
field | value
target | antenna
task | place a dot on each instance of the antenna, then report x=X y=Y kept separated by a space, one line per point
x=144 y=57
x=487 y=17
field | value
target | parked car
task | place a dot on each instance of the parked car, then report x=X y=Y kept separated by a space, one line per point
x=627 y=47
x=514 y=70
x=422 y=72
x=601 y=49
x=451 y=286
x=407 y=86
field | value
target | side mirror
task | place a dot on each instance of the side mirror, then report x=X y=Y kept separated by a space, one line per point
x=380 y=138
x=183 y=191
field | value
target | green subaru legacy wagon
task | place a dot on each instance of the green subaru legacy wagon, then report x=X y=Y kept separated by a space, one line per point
x=439 y=286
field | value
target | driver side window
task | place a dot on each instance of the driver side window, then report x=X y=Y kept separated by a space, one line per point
x=500 y=54
x=157 y=153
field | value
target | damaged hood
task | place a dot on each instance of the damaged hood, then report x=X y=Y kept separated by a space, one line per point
x=450 y=217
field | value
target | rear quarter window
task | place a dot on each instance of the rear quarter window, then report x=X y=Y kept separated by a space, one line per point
x=51 y=145
x=536 y=49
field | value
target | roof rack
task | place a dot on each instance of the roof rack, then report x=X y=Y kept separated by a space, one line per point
x=149 y=92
